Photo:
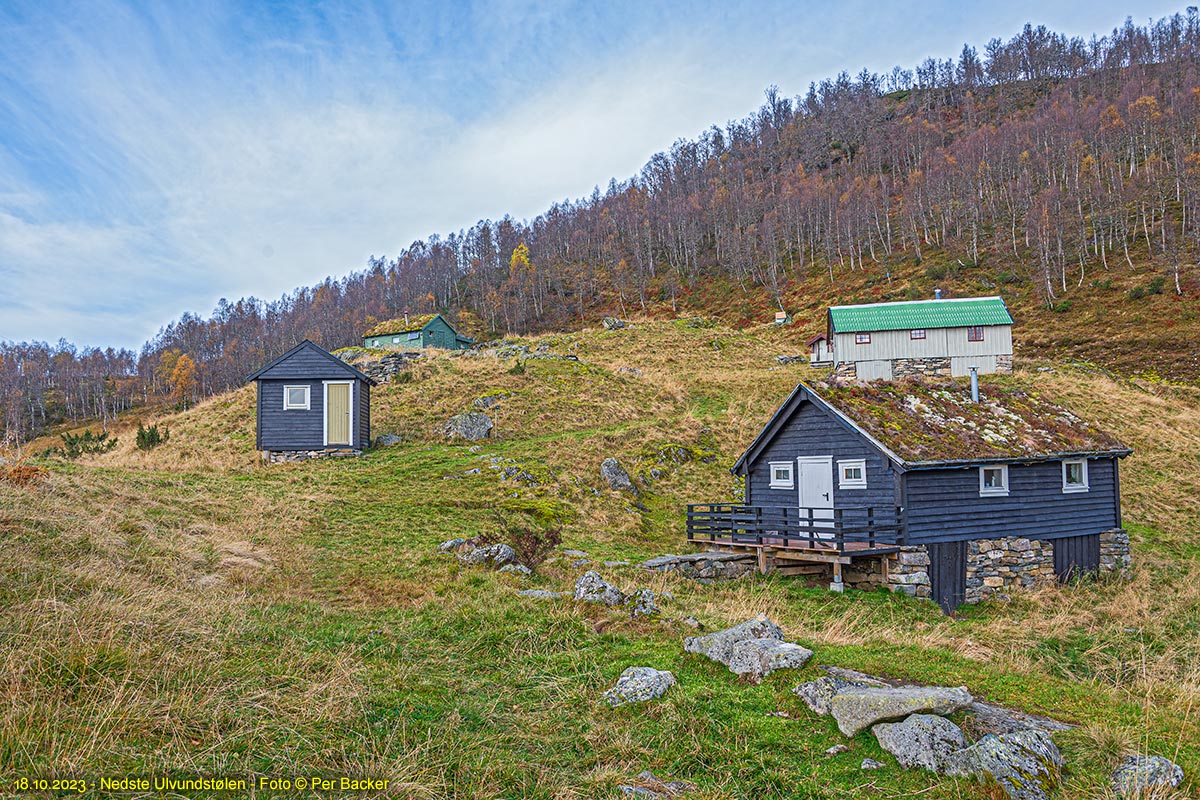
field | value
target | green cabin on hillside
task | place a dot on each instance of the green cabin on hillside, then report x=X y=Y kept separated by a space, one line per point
x=416 y=332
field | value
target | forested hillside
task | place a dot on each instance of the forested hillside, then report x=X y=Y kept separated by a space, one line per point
x=1063 y=173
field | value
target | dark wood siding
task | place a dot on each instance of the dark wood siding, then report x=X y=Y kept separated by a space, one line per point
x=812 y=432
x=944 y=504
x=362 y=413
x=948 y=574
x=1075 y=555
x=290 y=430
x=310 y=363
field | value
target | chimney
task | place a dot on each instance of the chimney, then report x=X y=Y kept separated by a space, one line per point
x=937 y=294
x=406 y=315
x=974 y=384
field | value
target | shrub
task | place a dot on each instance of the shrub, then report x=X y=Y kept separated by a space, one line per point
x=936 y=273
x=517 y=368
x=1065 y=305
x=533 y=542
x=1105 y=284
x=83 y=444
x=150 y=438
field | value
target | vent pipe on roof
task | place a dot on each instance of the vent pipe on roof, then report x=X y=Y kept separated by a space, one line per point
x=406 y=319
x=974 y=384
x=937 y=294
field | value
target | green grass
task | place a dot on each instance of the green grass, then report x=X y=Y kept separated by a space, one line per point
x=164 y=613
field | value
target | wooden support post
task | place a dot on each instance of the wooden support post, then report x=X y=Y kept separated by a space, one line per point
x=762 y=560
x=837 y=585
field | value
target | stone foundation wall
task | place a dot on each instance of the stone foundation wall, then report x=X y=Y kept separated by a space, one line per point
x=846 y=371
x=1114 y=553
x=290 y=456
x=1004 y=363
x=921 y=367
x=998 y=567
x=391 y=365
x=907 y=573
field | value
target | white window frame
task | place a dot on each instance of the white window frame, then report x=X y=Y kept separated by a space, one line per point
x=412 y=337
x=325 y=415
x=790 y=483
x=994 y=491
x=395 y=340
x=1071 y=488
x=852 y=483
x=307 y=399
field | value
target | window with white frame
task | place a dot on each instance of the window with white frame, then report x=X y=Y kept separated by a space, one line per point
x=395 y=340
x=782 y=475
x=993 y=481
x=862 y=338
x=1075 y=475
x=296 y=398
x=916 y=333
x=852 y=474
x=414 y=335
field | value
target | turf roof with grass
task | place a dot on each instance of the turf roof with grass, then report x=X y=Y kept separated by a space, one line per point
x=414 y=322
x=936 y=422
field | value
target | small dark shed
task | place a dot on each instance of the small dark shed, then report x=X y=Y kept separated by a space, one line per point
x=955 y=499
x=311 y=404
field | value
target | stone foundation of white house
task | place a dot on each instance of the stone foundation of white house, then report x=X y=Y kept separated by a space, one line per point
x=290 y=456
x=999 y=567
x=921 y=368
x=846 y=371
x=1004 y=364
x=1114 y=553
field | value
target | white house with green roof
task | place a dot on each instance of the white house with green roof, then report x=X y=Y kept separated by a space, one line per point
x=943 y=337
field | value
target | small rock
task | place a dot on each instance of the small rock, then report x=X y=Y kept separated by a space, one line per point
x=474 y=471
x=616 y=476
x=670 y=788
x=692 y=622
x=639 y=684
x=520 y=569
x=591 y=588
x=870 y=763
x=543 y=594
x=1026 y=764
x=1138 y=773
x=616 y=563
x=783 y=714
x=612 y=323
x=471 y=426
x=451 y=545
x=922 y=740
x=757 y=658
x=638 y=791
x=719 y=645
x=634 y=371
x=575 y=553
x=495 y=554
x=583 y=562
x=387 y=440
x=641 y=603
x=837 y=748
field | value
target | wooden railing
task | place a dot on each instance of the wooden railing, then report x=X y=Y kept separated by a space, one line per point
x=838 y=529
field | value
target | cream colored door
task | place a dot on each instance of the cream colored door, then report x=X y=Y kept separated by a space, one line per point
x=337 y=413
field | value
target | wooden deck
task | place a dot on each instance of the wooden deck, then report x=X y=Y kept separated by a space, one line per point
x=837 y=535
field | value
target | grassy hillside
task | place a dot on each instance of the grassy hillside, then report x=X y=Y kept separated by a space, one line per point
x=190 y=610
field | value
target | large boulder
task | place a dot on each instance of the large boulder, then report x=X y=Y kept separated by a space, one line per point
x=613 y=323
x=719 y=645
x=1138 y=774
x=471 y=426
x=818 y=694
x=616 y=476
x=639 y=684
x=756 y=658
x=591 y=588
x=859 y=708
x=922 y=740
x=387 y=440
x=1026 y=764
x=497 y=555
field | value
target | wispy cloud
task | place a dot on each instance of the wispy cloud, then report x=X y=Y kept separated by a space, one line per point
x=153 y=160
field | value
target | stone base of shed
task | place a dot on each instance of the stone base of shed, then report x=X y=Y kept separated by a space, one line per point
x=999 y=567
x=921 y=368
x=1004 y=364
x=1115 y=558
x=290 y=456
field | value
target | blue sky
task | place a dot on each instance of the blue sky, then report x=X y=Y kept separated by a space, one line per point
x=157 y=157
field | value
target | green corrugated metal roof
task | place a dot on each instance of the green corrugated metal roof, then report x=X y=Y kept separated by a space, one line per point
x=920 y=314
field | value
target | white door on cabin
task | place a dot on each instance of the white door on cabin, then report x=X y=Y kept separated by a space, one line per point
x=814 y=479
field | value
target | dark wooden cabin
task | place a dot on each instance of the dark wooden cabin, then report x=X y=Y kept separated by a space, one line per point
x=311 y=404
x=844 y=472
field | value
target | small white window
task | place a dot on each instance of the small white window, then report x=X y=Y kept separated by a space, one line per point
x=295 y=398
x=395 y=340
x=781 y=475
x=1075 y=475
x=862 y=338
x=852 y=474
x=414 y=335
x=993 y=481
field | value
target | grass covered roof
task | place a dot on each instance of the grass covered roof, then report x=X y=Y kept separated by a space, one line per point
x=924 y=422
x=414 y=322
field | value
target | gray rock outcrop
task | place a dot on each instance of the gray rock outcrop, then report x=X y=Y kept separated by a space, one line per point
x=756 y=658
x=542 y=594
x=613 y=323
x=1138 y=774
x=1026 y=764
x=616 y=476
x=922 y=740
x=704 y=567
x=641 y=603
x=719 y=645
x=591 y=588
x=387 y=440
x=520 y=569
x=858 y=708
x=818 y=694
x=472 y=426
x=497 y=555
x=639 y=684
